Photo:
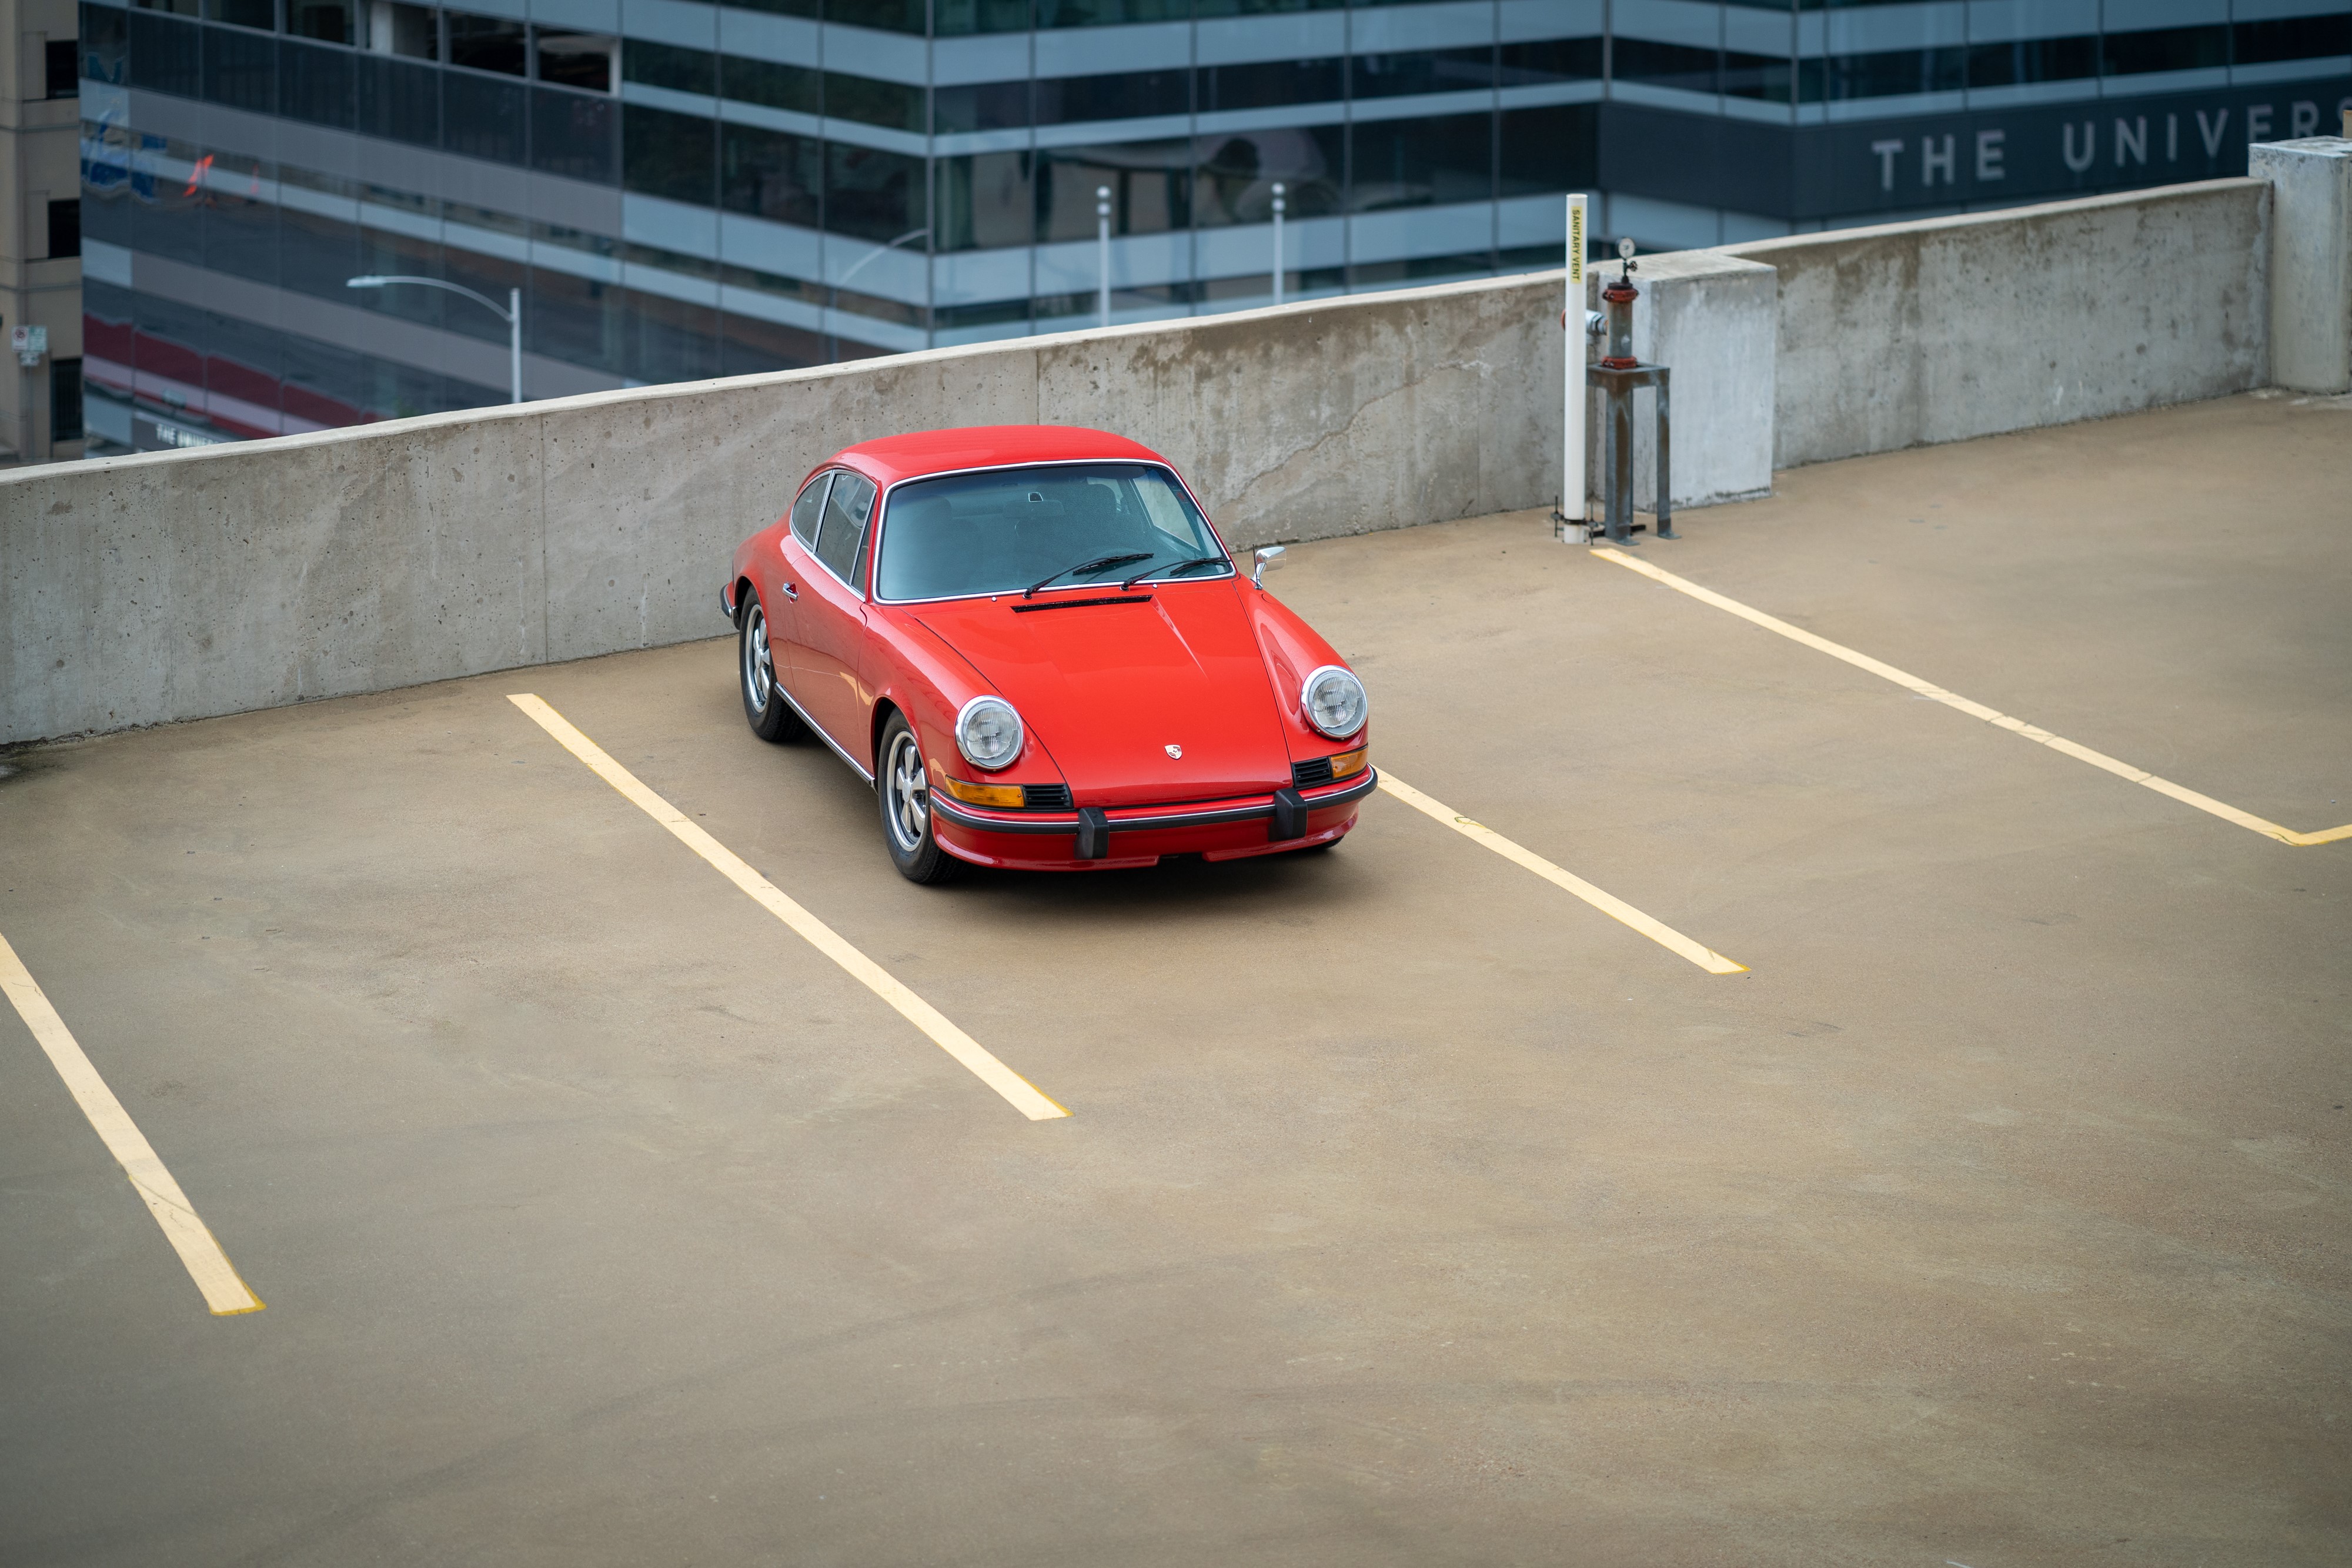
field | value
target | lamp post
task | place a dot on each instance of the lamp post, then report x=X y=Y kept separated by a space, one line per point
x=1278 y=205
x=1102 y=251
x=511 y=316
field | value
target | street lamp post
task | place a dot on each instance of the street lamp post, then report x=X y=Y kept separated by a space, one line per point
x=1102 y=251
x=511 y=316
x=1278 y=205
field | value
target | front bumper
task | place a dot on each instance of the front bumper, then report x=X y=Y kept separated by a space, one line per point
x=1092 y=838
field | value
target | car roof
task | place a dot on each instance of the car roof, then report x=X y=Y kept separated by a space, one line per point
x=894 y=457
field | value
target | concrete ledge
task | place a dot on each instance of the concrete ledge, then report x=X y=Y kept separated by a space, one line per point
x=1905 y=334
x=168 y=586
x=2310 y=260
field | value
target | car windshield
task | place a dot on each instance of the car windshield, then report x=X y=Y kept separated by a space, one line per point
x=1007 y=529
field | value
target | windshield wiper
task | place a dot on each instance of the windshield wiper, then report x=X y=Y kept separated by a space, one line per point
x=1170 y=571
x=1099 y=563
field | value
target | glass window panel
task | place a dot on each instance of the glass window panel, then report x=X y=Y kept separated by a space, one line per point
x=808 y=509
x=1421 y=71
x=241 y=70
x=487 y=44
x=482 y=117
x=986 y=200
x=666 y=154
x=770 y=174
x=1423 y=268
x=316 y=253
x=328 y=21
x=176 y=8
x=164 y=54
x=779 y=7
x=1421 y=161
x=996 y=314
x=981 y=106
x=487 y=275
x=1884 y=74
x=667 y=340
x=956 y=18
x=1123 y=95
x=1207 y=8
x=1548 y=59
x=874 y=195
x=667 y=65
x=1150 y=187
x=1233 y=174
x=581 y=60
x=105 y=44
x=320 y=383
x=317 y=84
x=797 y=88
x=396 y=28
x=64 y=400
x=847 y=507
x=170 y=221
x=873 y=102
x=1271 y=84
x=2022 y=60
x=261 y=13
x=2165 y=49
x=1107 y=13
x=1663 y=64
x=2255 y=43
x=575 y=134
x=576 y=319
x=1555 y=147
x=241 y=227
x=891 y=15
x=399 y=100
x=1771 y=79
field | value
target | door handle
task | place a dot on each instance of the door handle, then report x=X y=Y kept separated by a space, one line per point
x=792 y=592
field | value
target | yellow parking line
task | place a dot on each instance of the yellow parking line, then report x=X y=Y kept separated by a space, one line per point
x=1609 y=904
x=1018 y=1092
x=1909 y=681
x=224 y=1293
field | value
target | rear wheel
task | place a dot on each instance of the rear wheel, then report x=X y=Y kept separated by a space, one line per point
x=903 y=787
x=770 y=716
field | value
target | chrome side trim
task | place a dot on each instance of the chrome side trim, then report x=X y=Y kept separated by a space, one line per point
x=1354 y=790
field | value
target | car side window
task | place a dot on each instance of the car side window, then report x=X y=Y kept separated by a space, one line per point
x=847 y=510
x=809 y=508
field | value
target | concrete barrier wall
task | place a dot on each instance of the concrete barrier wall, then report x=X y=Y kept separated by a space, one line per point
x=1952 y=328
x=178 y=585
x=171 y=586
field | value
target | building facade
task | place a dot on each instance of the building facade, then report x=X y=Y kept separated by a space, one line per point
x=40 y=234
x=683 y=190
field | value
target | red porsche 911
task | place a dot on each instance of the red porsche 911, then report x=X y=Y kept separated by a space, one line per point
x=1030 y=640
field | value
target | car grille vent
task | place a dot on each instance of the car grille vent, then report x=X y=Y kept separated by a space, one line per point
x=1315 y=770
x=1046 y=796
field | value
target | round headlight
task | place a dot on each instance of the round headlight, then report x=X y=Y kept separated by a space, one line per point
x=1333 y=701
x=988 y=733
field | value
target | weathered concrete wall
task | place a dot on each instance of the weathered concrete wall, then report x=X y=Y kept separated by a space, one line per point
x=2311 y=260
x=1712 y=320
x=1909 y=333
x=178 y=585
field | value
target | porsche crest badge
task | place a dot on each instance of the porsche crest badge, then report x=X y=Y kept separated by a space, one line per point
x=1176 y=751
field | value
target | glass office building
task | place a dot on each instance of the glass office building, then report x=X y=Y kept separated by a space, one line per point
x=683 y=190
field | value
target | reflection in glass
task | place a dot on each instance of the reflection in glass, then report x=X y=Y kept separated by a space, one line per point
x=1234 y=174
x=1417 y=163
x=985 y=200
x=1151 y=188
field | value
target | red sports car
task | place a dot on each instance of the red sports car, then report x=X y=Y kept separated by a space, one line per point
x=1032 y=642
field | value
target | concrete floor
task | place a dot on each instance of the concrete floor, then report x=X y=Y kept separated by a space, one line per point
x=1410 y=1212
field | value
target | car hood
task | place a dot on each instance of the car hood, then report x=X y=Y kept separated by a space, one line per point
x=1108 y=689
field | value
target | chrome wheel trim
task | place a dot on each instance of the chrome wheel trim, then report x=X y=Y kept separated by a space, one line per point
x=910 y=811
x=758 y=666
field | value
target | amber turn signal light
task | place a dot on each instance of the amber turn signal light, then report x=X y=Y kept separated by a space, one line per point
x=1348 y=762
x=1010 y=796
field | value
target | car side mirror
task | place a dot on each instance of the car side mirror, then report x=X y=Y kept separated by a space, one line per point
x=1265 y=556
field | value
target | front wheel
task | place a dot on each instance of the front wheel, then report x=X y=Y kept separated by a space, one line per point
x=904 y=790
x=770 y=716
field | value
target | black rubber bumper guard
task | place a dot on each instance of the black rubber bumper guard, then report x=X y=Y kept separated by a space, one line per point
x=1285 y=812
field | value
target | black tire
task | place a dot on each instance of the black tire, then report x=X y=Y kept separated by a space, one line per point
x=903 y=788
x=770 y=716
